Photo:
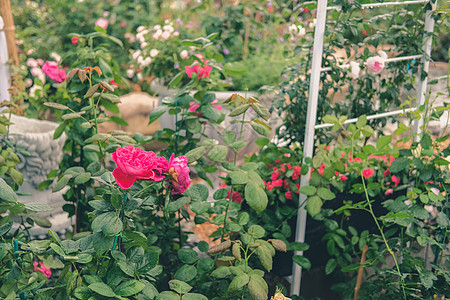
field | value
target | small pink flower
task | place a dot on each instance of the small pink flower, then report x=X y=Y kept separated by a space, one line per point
x=344 y=178
x=277 y=183
x=101 y=22
x=357 y=159
x=288 y=195
x=376 y=64
x=388 y=192
x=367 y=173
x=41 y=268
x=202 y=72
x=395 y=180
x=435 y=191
x=50 y=68
x=75 y=40
x=297 y=171
x=386 y=173
x=179 y=171
x=274 y=175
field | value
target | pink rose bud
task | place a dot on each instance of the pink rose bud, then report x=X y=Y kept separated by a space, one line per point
x=75 y=40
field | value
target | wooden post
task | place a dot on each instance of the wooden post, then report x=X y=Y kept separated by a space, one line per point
x=10 y=31
x=360 y=272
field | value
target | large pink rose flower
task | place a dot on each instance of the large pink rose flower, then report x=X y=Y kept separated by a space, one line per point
x=50 y=68
x=179 y=172
x=134 y=163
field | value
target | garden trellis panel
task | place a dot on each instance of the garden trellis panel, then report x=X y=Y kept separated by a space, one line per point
x=311 y=118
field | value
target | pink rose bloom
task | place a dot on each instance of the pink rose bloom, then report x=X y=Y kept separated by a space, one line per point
x=50 y=68
x=179 y=171
x=101 y=22
x=75 y=40
x=367 y=173
x=134 y=163
x=388 y=192
x=190 y=70
x=274 y=175
x=375 y=64
x=40 y=267
x=395 y=180
x=288 y=195
x=202 y=72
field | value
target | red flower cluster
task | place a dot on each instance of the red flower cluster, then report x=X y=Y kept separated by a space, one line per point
x=280 y=177
x=202 y=72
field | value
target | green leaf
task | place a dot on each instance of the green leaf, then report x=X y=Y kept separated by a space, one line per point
x=325 y=194
x=203 y=246
x=38 y=207
x=256 y=231
x=362 y=120
x=102 y=289
x=265 y=257
x=6 y=227
x=426 y=141
x=314 y=205
x=91 y=91
x=109 y=223
x=298 y=246
x=243 y=218
x=72 y=115
x=238 y=177
x=187 y=256
x=176 y=79
x=196 y=154
x=383 y=141
x=302 y=261
x=238 y=282
x=193 y=296
x=177 y=204
x=59 y=130
x=261 y=129
x=308 y=190
x=156 y=113
x=367 y=131
x=82 y=292
x=229 y=137
x=129 y=287
x=426 y=277
x=399 y=164
x=330 y=266
x=235 y=68
x=239 y=110
x=261 y=110
x=61 y=183
x=257 y=287
x=6 y=192
x=193 y=125
x=118 y=120
x=218 y=153
x=180 y=287
x=126 y=267
x=210 y=112
x=109 y=106
x=82 y=178
x=186 y=273
x=255 y=196
x=168 y=295
x=56 y=105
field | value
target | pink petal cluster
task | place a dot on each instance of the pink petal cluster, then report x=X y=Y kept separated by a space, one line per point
x=202 y=72
x=50 y=68
x=134 y=163
x=102 y=22
x=194 y=106
x=376 y=64
x=367 y=173
x=75 y=40
x=41 y=268
x=179 y=171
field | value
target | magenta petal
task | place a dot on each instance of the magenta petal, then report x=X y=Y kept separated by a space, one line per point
x=123 y=180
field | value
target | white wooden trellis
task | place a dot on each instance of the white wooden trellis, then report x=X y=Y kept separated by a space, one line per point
x=311 y=117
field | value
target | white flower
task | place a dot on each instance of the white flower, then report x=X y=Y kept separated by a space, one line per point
x=34 y=89
x=130 y=73
x=184 y=54
x=157 y=34
x=143 y=45
x=166 y=21
x=153 y=52
x=355 y=69
x=382 y=54
x=146 y=62
x=313 y=23
x=176 y=33
x=293 y=29
x=136 y=54
x=55 y=56
x=157 y=27
x=140 y=59
x=165 y=35
x=301 y=30
x=139 y=76
x=168 y=28
x=32 y=63
x=140 y=28
x=375 y=64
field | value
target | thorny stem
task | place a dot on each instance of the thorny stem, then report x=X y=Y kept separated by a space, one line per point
x=384 y=238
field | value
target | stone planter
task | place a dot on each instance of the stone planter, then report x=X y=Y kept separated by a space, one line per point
x=45 y=155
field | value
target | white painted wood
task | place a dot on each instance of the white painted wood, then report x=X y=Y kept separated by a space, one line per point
x=4 y=70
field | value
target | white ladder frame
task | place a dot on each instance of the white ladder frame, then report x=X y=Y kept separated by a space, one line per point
x=311 y=117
